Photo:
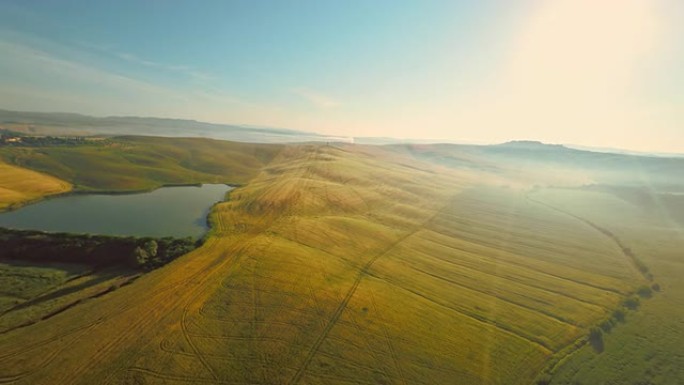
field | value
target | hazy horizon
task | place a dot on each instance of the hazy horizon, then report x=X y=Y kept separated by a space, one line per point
x=599 y=74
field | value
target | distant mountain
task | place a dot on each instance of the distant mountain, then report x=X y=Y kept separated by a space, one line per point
x=48 y=123
x=611 y=168
x=59 y=123
x=530 y=145
x=380 y=140
x=625 y=152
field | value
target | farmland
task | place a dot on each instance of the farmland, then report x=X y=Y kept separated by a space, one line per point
x=355 y=264
x=647 y=348
x=25 y=281
x=342 y=193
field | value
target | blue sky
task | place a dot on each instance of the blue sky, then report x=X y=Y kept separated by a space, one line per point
x=563 y=71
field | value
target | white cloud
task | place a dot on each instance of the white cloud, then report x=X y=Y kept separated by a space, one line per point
x=41 y=63
x=34 y=79
x=186 y=70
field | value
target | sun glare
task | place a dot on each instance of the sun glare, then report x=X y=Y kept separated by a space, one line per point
x=574 y=65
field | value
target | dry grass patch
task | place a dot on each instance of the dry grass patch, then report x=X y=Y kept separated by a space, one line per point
x=19 y=185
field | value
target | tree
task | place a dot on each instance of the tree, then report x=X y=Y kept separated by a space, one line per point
x=151 y=248
x=607 y=325
x=645 y=292
x=632 y=302
x=596 y=338
x=141 y=256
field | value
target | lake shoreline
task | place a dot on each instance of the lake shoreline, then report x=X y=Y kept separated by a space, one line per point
x=80 y=191
x=123 y=214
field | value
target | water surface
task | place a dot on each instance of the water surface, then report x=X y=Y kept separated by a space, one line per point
x=168 y=211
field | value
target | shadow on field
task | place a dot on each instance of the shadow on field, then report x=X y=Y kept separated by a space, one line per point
x=96 y=279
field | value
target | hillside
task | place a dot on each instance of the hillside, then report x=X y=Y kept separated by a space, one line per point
x=19 y=185
x=549 y=161
x=350 y=264
x=141 y=163
x=55 y=123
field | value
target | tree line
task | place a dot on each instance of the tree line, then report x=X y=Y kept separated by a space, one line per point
x=15 y=139
x=98 y=251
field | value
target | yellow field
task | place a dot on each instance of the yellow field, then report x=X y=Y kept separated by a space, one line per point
x=19 y=185
x=345 y=266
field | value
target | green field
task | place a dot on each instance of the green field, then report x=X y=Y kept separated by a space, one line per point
x=366 y=265
x=142 y=163
x=647 y=349
x=22 y=282
x=33 y=292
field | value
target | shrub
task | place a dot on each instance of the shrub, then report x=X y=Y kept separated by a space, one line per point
x=619 y=315
x=151 y=247
x=544 y=380
x=596 y=338
x=607 y=325
x=645 y=292
x=595 y=333
x=141 y=256
x=632 y=302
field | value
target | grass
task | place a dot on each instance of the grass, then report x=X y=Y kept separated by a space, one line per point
x=33 y=292
x=647 y=348
x=144 y=163
x=20 y=282
x=338 y=265
x=19 y=186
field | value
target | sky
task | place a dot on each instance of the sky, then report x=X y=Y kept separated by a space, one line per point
x=605 y=73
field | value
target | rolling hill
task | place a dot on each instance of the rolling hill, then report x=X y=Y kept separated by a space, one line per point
x=56 y=123
x=338 y=264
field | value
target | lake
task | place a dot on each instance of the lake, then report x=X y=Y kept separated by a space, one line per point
x=169 y=211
